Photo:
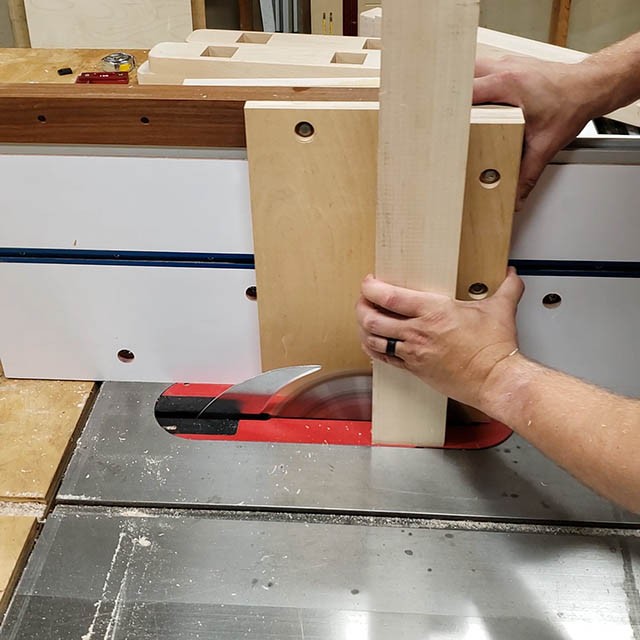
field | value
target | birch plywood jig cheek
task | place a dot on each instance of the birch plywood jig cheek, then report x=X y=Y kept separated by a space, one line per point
x=312 y=173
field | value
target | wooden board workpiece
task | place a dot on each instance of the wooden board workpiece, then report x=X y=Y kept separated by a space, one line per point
x=313 y=175
x=425 y=100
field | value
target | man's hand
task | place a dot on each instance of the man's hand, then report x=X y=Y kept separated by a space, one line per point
x=557 y=100
x=451 y=345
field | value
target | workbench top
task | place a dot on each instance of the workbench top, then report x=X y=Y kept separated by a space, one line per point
x=41 y=65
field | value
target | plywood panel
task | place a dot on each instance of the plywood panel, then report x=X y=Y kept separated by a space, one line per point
x=495 y=148
x=313 y=204
x=16 y=536
x=38 y=420
x=113 y=23
x=425 y=102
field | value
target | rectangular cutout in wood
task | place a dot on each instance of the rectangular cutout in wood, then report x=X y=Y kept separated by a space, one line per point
x=349 y=57
x=373 y=43
x=219 y=52
x=256 y=37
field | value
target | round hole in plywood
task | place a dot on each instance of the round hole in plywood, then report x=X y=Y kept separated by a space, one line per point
x=126 y=356
x=478 y=291
x=251 y=293
x=145 y=120
x=490 y=178
x=42 y=118
x=305 y=131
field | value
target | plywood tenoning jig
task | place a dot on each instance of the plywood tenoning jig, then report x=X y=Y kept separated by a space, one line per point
x=313 y=172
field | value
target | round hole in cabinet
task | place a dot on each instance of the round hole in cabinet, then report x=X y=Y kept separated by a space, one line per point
x=552 y=300
x=126 y=356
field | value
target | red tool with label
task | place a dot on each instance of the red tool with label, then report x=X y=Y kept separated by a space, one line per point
x=103 y=77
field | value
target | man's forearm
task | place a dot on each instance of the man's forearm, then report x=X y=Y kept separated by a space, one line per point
x=613 y=76
x=591 y=433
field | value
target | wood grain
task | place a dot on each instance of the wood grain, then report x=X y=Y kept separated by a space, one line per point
x=495 y=145
x=313 y=203
x=114 y=24
x=425 y=102
x=180 y=116
x=559 y=23
x=41 y=65
x=38 y=420
x=16 y=537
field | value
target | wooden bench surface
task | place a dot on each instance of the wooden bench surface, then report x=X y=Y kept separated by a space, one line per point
x=41 y=65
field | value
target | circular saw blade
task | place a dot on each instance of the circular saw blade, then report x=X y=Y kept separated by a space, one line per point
x=343 y=396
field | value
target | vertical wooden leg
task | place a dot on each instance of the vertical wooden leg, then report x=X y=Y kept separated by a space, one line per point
x=246 y=14
x=559 y=25
x=199 y=14
x=423 y=145
x=19 y=25
x=305 y=15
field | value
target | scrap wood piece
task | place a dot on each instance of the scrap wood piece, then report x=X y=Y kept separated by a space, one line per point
x=38 y=421
x=16 y=537
x=425 y=101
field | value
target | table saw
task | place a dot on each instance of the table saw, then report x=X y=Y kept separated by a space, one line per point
x=175 y=520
